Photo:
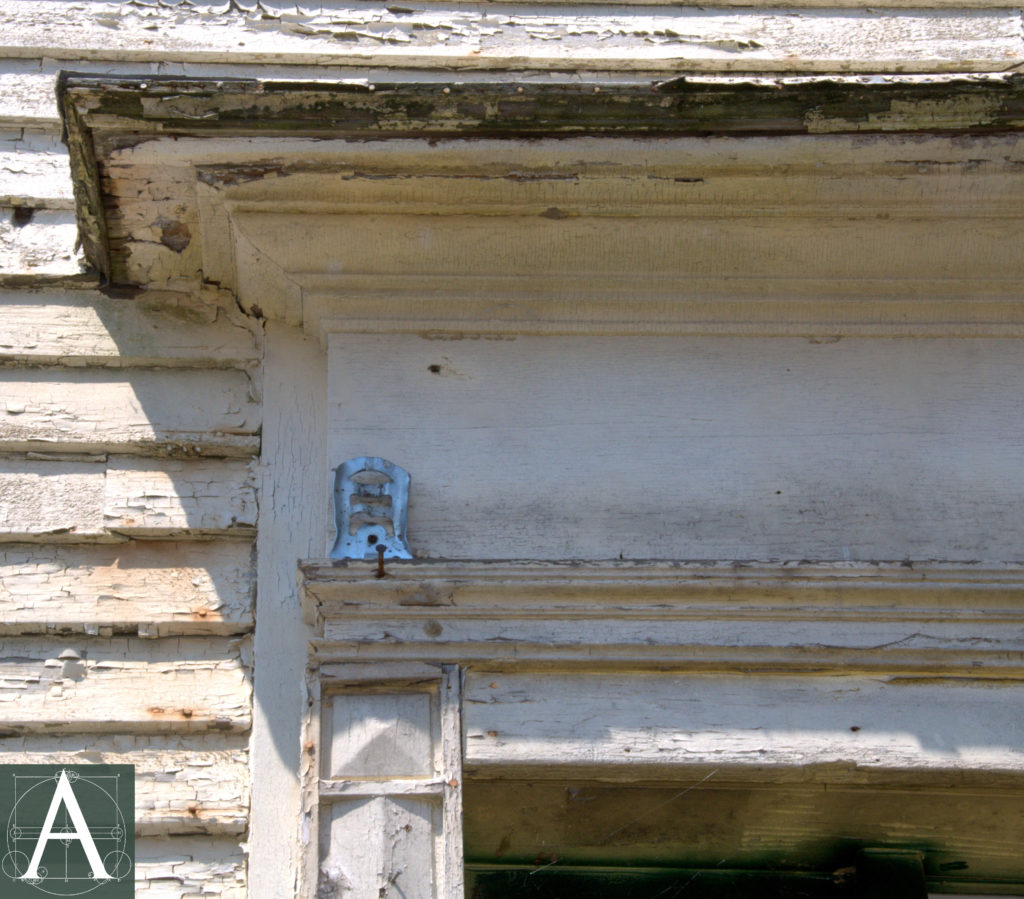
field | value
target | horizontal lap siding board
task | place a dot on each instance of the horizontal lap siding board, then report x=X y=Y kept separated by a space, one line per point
x=152 y=587
x=128 y=410
x=524 y=36
x=87 y=328
x=54 y=499
x=44 y=246
x=184 y=784
x=189 y=868
x=186 y=685
x=775 y=721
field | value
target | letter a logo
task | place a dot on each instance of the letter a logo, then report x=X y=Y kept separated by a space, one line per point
x=65 y=796
x=70 y=831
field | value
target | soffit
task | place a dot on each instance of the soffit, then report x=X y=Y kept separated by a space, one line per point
x=801 y=206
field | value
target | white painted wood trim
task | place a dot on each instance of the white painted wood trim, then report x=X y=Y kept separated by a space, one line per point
x=610 y=615
x=452 y=874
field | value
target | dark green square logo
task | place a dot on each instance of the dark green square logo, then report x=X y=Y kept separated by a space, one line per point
x=69 y=831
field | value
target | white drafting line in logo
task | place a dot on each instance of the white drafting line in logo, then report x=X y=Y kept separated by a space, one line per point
x=114 y=865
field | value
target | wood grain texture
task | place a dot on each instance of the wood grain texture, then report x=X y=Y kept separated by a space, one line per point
x=151 y=588
x=598 y=448
x=546 y=719
x=191 y=412
x=183 y=785
x=77 y=328
x=546 y=37
x=128 y=684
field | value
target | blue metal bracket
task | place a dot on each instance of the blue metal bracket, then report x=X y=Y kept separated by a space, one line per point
x=371 y=498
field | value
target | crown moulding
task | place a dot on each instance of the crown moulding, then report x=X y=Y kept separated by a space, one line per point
x=807 y=206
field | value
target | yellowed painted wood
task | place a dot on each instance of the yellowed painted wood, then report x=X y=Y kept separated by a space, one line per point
x=188 y=412
x=88 y=328
x=183 y=784
x=128 y=684
x=150 y=588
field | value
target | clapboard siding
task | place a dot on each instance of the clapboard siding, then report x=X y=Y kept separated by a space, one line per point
x=189 y=868
x=151 y=587
x=44 y=245
x=206 y=497
x=34 y=167
x=554 y=36
x=183 y=784
x=79 y=328
x=123 y=496
x=193 y=412
x=127 y=685
x=775 y=721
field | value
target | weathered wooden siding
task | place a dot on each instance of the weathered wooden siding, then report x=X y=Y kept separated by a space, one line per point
x=128 y=432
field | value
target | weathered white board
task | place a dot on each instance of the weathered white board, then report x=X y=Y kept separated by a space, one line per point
x=46 y=500
x=603 y=448
x=46 y=245
x=128 y=410
x=185 y=784
x=34 y=168
x=128 y=684
x=88 y=328
x=152 y=588
x=215 y=496
x=190 y=868
x=775 y=721
x=57 y=499
x=524 y=36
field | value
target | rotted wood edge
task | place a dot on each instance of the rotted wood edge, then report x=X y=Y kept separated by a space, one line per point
x=129 y=109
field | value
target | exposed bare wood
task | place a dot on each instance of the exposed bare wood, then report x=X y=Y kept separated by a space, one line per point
x=54 y=499
x=183 y=785
x=527 y=36
x=88 y=328
x=117 y=685
x=154 y=589
x=551 y=719
x=190 y=868
x=191 y=412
